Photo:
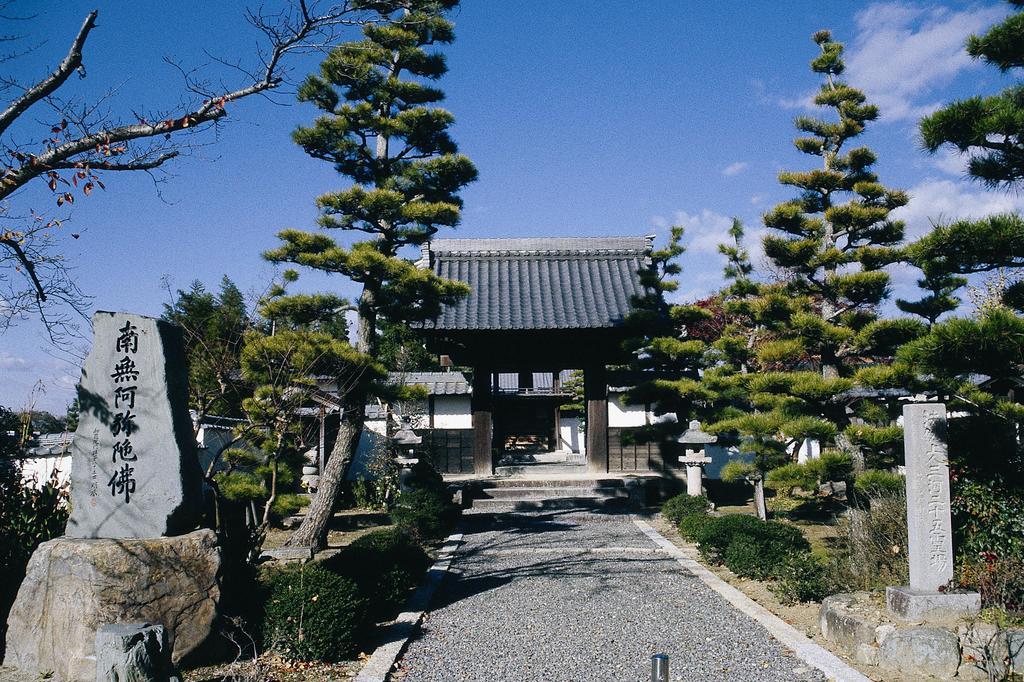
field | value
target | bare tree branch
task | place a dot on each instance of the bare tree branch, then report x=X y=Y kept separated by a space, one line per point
x=71 y=62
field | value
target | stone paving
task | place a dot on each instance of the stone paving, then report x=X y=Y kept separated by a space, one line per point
x=582 y=595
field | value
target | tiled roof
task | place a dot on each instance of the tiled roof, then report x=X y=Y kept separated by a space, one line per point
x=51 y=444
x=575 y=283
x=436 y=383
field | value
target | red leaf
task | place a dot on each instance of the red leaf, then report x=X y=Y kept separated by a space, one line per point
x=60 y=200
x=69 y=197
x=63 y=123
x=52 y=184
x=87 y=188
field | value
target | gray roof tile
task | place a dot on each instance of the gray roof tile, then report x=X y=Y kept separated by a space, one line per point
x=565 y=283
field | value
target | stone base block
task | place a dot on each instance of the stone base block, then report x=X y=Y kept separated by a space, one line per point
x=74 y=586
x=133 y=651
x=908 y=604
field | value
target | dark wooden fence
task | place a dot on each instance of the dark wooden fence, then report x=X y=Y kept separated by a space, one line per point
x=450 y=450
x=626 y=453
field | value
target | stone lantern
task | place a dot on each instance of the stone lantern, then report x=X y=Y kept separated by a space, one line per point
x=406 y=441
x=693 y=441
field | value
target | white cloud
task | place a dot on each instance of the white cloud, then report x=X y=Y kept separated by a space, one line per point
x=704 y=230
x=936 y=200
x=13 y=363
x=903 y=50
x=735 y=168
x=950 y=161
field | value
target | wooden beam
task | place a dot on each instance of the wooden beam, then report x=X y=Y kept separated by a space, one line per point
x=595 y=394
x=482 y=406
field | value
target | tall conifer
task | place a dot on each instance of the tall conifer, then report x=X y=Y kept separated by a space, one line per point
x=380 y=128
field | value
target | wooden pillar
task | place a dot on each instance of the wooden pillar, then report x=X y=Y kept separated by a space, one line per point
x=482 y=405
x=595 y=393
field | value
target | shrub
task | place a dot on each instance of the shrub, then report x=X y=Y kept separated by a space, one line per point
x=773 y=541
x=286 y=504
x=689 y=526
x=988 y=516
x=681 y=506
x=876 y=483
x=28 y=516
x=424 y=514
x=792 y=475
x=875 y=554
x=1000 y=580
x=832 y=466
x=385 y=564
x=802 y=578
x=311 y=613
x=743 y=557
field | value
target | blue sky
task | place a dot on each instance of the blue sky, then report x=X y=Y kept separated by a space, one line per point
x=593 y=118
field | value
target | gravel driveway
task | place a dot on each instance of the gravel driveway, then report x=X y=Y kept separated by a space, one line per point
x=582 y=596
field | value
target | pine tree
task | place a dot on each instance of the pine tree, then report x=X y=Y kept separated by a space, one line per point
x=831 y=242
x=990 y=130
x=379 y=129
x=663 y=348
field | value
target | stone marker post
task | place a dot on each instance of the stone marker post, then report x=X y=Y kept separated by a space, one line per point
x=134 y=470
x=929 y=528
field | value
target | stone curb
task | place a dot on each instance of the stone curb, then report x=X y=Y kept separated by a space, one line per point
x=398 y=634
x=812 y=653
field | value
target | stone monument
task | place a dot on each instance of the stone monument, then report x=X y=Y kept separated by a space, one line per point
x=693 y=441
x=929 y=528
x=131 y=551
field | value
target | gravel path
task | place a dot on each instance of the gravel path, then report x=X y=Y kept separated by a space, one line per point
x=582 y=596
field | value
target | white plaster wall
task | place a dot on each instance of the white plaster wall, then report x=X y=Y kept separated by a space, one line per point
x=809 y=449
x=570 y=438
x=621 y=415
x=452 y=412
x=36 y=470
x=372 y=438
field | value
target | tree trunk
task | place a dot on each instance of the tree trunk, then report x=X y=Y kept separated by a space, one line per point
x=759 y=506
x=312 y=532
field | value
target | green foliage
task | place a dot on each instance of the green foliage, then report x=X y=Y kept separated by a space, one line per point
x=988 y=517
x=213 y=327
x=310 y=613
x=425 y=514
x=875 y=483
x=287 y=504
x=690 y=526
x=737 y=470
x=749 y=547
x=683 y=505
x=986 y=128
x=29 y=515
x=386 y=565
x=802 y=578
x=789 y=476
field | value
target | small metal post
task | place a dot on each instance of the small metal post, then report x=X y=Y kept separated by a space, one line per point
x=659 y=668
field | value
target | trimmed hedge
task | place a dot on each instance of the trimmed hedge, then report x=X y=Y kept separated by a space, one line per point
x=386 y=565
x=677 y=508
x=311 y=613
x=749 y=547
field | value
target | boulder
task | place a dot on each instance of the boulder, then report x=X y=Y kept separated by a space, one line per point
x=74 y=586
x=843 y=623
x=921 y=652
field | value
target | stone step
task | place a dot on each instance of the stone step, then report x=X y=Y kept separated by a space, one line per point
x=575 y=502
x=544 y=482
x=539 y=469
x=546 y=492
